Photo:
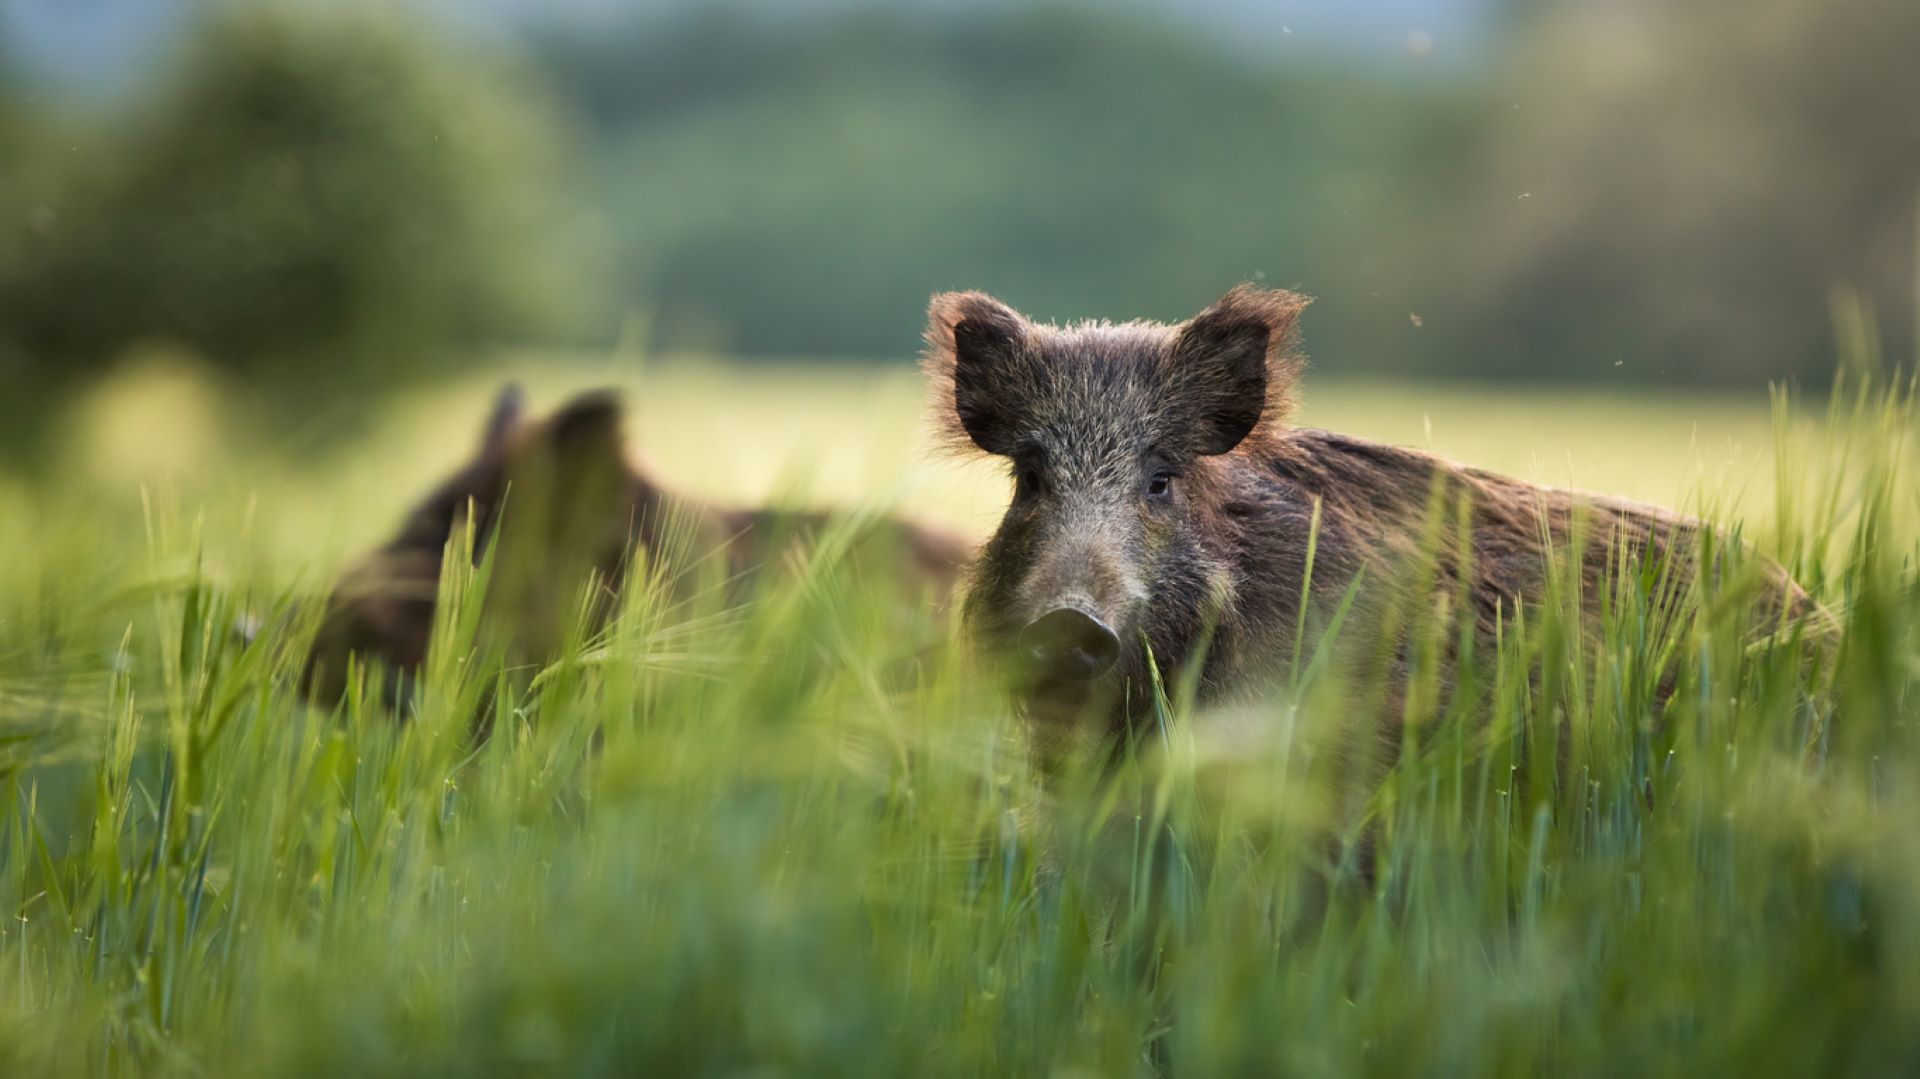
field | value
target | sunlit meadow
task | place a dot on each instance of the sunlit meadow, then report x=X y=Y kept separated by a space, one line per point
x=793 y=838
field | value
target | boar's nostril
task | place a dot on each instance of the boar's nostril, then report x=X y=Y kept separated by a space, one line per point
x=1071 y=644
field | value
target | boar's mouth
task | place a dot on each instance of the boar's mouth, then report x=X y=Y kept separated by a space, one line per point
x=1058 y=703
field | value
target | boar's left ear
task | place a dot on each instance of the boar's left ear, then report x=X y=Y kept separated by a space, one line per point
x=975 y=345
x=509 y=406
x=1232 y=367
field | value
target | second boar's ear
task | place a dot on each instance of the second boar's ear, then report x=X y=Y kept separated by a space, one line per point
x=509 y=407
x=586 y=430
x=974 y=343
x=572 y=464
x=1233 y=367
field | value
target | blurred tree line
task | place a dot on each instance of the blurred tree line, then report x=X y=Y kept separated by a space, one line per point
x=803 y=189
x=1626 y=189
x=1618 y=190
x=1703 y=178
x=311 y=198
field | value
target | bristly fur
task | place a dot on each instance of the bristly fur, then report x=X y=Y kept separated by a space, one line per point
x=1161 y=496
x=1277 y=311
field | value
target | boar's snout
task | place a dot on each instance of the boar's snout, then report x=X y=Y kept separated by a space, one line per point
x=1068 y=644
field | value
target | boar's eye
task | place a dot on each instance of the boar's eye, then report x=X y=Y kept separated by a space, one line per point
x=1160 y=485
x=1026 y=479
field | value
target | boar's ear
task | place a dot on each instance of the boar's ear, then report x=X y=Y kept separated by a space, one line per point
x=509 y=406
x=477 y=485
x=570 y=467
x=585 y=435
x=973 y=344
x=1232 y=367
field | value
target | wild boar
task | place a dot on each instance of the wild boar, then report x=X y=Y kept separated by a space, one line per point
x=561 y=503
x=1164 y=511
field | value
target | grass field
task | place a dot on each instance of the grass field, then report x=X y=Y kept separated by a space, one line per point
x=853 y=435
x=789 y=841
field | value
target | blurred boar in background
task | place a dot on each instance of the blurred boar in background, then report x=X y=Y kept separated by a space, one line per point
x=561 y=505
x=1165 y=516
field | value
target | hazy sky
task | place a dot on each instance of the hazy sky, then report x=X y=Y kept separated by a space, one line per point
x=87 y=45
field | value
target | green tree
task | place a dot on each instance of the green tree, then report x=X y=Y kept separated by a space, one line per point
x=1677 y=189
x=800 y=189
x=309 y=193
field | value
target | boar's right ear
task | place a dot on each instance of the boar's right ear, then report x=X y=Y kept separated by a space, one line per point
x=973 y=343
x=586 y=431
x=573 y=463
x=1233 y=367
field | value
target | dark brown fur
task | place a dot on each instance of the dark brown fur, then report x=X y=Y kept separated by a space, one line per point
x=1212 y=569
x=568 y=506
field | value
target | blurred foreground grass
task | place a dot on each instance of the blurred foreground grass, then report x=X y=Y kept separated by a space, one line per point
x=794 y=841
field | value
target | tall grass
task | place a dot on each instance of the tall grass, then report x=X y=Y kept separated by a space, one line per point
x=798 y=837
